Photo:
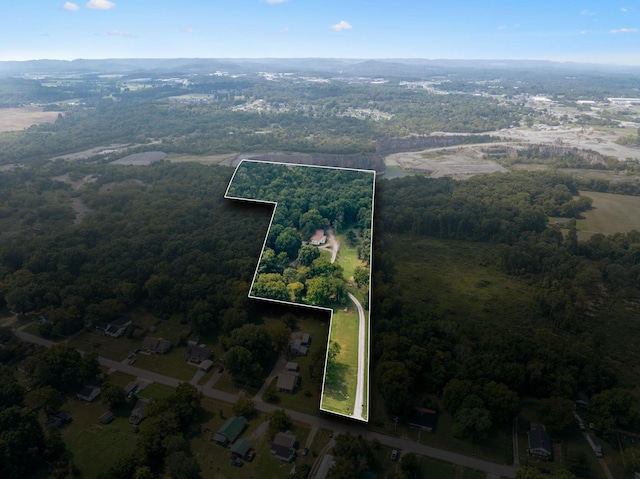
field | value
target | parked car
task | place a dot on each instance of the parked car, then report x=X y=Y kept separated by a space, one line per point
x=394 y=455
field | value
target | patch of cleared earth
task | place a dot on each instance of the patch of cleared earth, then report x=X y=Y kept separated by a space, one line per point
x=16 y=119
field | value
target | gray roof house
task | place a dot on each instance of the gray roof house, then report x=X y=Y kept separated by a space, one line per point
x=539 y=442
x=196 y=354
x=282 y=446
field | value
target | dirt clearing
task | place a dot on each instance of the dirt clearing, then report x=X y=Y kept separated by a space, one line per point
x=16 y=119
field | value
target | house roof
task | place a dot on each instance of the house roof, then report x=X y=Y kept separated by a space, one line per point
x=291 y=366
x=232 y=428
x=121 y=321
x=539 y=440
x=284 y=439
x=241 y=446
x=197 y=353
x=282 y=452
x=423 y=417
x=287 y=381
x=129 y=388
x=318 y=236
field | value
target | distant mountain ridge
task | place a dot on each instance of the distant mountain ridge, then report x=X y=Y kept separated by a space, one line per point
x=375 y=67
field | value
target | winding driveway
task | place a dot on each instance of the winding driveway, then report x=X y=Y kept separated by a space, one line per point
x=362 y=365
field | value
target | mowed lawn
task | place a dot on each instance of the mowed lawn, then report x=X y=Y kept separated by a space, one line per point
x=94 y=446
x=610 y=214
x=340 y=397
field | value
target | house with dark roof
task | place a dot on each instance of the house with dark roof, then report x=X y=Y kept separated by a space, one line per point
x=130 y=388
x=230 y=430
x=197 y=353
x=138 y=411
x=115 y=328
x=282 y=446
x=106 y=417
x=241 y=447
x=88 y=393
x=539 y=442
x=423 y=419
x=156 y=345
x=306 y=339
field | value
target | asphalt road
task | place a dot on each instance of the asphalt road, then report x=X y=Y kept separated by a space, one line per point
x=336 y=425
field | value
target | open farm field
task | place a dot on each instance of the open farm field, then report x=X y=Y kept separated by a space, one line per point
x=610 y=214
x=15 y=119
x=450 y=278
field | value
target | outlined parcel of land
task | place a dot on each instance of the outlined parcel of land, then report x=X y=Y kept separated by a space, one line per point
x=317 y=253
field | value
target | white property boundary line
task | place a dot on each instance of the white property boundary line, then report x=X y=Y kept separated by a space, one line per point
x=322 y=308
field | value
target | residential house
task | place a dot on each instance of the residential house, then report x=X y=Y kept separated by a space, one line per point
x=197 y=353
x=282 y=446
x=137 y=413
x=287 y=382
x=423 y=419
x=291 y=367
x=115 y=328
x=106 y=417
x=306 y=339
x=88 y=393
x=318 y=238
x=241 y=447
x=205 y=365
x=296 y=348
x=156 y=345
x=130 y=388
x=539 y=442
x=230 y=430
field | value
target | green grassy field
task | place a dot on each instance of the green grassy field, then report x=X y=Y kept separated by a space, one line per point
x=171 y=364
x=610 y=214
x=455 y=278
x=94 y=446
x=344 y=331
x=347 y=257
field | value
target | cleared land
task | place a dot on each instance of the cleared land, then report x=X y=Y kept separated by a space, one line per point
x=610 y=214
x=15 y=119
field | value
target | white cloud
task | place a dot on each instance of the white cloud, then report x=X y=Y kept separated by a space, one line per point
x=584 y=32
x=502 y=27
x=273 y=2
x=338 y=27
x=118 y=33
x=284 y=30
x=587 y=13
x=100 y=4
x=625 y=30
x=71 y=7
x=188 y=29
x=624 y=9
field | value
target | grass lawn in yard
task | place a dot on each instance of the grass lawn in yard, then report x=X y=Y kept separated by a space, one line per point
x=170 y=364
x=214 y=459
x=120 y=379
x=339 y=395
x=94 y=446
x=347 y=257
x=106 y=346
x=156 y=391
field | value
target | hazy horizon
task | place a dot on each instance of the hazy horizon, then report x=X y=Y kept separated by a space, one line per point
x=577 y=32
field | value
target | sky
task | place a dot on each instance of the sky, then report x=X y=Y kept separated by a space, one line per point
x=603 y=31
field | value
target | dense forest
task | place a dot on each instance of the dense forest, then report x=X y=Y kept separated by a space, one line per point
x=309 y=200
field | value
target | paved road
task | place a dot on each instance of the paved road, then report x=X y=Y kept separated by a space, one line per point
x=336 y=425
x=362 y=364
